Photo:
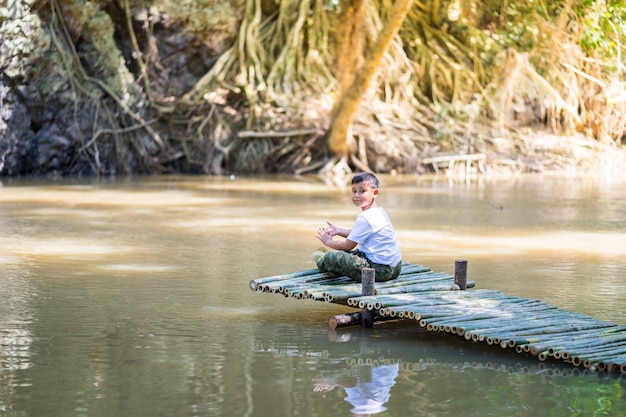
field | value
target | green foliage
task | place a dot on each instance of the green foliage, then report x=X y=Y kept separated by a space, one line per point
x=22 y=40
x=96 y=28
x=599 y=26
x=202 y=16
x=93 y=32
x=605 y=27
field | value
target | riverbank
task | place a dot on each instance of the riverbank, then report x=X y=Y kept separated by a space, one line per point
x=539 y=154
x=108 y=91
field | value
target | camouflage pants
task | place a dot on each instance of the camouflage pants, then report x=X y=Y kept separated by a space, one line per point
x=351 y=263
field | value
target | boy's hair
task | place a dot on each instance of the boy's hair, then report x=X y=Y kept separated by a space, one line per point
x=366 y=176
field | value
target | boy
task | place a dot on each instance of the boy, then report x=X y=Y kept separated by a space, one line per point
x=372 y=232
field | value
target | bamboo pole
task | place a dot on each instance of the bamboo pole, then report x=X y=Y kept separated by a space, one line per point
x=474 y=324
x=417 y=288
x=590 y=360
x=451 y=298
x=434 y=280
x=566 y=326
x=562 y=331
x=433 y=324
x=305 y=286
x=420 y=277
x=550 y=340
x=612 y=349
x=535 y=336
x=421 y=288
x=418 y=316
x=413 y=269
x=321 y=279
x=314 y=295
x=317 y=279
x=431 y=306
x=513 y=340
x=411 y=302
x=569 y=335
x=451 y=306
x=551 y=330
x=544 y=344
x=339 y=285
x=490 y=318
x=503 y=332
x=591 y=348
x=543 y=356
x=617 y=366
x=390 y=300
x=593 y=341
x=432 y=311
x=339 y=296
x=255 y=282
x=616 y=363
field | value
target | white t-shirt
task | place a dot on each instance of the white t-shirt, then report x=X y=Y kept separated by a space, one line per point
x=374 y=233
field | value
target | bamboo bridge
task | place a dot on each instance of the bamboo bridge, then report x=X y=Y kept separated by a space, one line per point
x=438 y=303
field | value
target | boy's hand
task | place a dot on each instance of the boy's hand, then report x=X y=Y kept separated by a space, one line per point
x=332 y=230
x=324 y=235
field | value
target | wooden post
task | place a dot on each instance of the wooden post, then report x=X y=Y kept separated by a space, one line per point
x=344 y=320
x=460 y=273
x=368 y=277
x=352 y=319
x=366 y=374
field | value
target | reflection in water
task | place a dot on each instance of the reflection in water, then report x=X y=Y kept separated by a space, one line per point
x=16 y=318
x=367 y=389
x=436 y=374
x=131 y=297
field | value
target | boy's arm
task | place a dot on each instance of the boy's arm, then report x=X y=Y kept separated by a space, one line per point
x=326 y=237
x=345 y=244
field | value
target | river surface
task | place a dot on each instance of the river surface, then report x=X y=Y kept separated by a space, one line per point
x=131 y=297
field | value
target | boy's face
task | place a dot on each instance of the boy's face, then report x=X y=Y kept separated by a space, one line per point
x=363 y=195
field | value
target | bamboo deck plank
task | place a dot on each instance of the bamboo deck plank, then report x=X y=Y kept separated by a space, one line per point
x=434 y=301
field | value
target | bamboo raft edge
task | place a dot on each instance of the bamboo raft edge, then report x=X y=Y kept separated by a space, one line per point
x=439 y=302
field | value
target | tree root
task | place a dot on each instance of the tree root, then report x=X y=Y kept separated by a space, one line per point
x=73 y=66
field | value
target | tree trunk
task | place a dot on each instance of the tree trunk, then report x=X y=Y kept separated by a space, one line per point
x=351 y=37
x=348 y=103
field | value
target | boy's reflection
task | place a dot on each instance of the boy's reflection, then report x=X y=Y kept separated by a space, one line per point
x=367 y=390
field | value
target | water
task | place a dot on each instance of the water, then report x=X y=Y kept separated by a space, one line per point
x=131 y=298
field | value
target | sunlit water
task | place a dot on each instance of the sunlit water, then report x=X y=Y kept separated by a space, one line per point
x=131 y=297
